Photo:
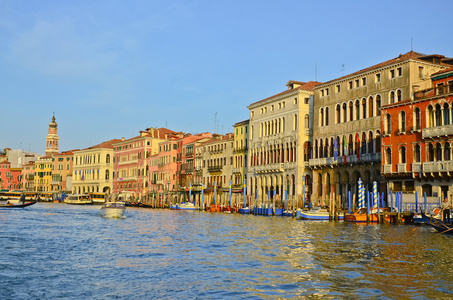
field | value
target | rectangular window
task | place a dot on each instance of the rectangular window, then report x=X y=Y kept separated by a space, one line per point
x=322 y=93
x=357 y=83
x=378 y=77
x=295 y=100
x=350 y=85
x=327 y=92
x=399 y=71
x=307 y=100
x=392 y=73
x=363 y=81
x=338 y=88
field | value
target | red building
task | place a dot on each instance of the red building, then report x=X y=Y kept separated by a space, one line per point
x=417 y=140
x=5 y=175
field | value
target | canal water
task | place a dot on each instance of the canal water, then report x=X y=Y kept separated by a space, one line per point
x=59 y=251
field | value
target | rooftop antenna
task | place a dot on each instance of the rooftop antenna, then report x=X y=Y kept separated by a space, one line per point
x=215 y=122
x=412 y=39
x=342 y=69
x=316 y=71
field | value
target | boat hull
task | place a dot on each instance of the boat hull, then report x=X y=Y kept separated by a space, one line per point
x=113 y=210
x=319 y=215
x=17 y=205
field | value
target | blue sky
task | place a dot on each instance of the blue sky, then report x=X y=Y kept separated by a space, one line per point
x=109 y=69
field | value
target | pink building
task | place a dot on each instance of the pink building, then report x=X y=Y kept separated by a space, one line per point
x=131 y=158
x=28 y=176
x=5 y=175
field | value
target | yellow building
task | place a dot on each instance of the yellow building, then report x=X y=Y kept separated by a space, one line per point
x=241 y=141
x=279 y=141
x=93 y=169
x=43 y=174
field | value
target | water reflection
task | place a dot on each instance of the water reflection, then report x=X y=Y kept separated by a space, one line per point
x=71 y=252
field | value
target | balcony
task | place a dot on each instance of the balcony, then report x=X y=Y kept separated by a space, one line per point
x=371 y=157
x=387 y=169
x=401 y=168
x=130 y=161
x=416 y=167
x=270 y=168
x=325 y=161
x=437 y=131
x=215 y=169
x=237 y=170
x=240 y=150
x=438 y=166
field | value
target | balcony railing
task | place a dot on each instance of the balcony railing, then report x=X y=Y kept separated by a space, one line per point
x=214 y=169
x=387 y=169
x=416 y=167
x=401 y=168
x=437 y=131
x=434 y=91
x=269 y=168
x=438 y=166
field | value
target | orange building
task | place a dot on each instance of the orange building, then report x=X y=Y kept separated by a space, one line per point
x=417 y=140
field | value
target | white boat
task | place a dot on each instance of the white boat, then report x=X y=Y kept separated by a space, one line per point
x=185 y=206
x=113 y=209
x=78 y=199
x=316 y=214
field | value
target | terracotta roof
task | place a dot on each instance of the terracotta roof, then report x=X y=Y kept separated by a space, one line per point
x=107 y=144
x=402 y=57
x=242 y=122
x=308 y=86
x=442 y=71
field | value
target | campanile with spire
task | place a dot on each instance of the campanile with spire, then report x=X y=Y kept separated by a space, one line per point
x=52 y=138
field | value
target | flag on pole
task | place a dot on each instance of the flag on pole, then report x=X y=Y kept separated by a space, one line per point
x=335 y=148
x=345 y=148
x=358 y=145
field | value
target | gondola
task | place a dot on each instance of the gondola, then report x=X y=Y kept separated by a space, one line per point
x=437 y=224
x=17 y=204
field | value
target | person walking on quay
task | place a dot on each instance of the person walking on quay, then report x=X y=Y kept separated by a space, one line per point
x=446 y=211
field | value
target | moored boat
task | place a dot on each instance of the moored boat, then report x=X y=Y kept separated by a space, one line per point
x=438 y=224
x=113 y=209
x=79 y=199
x=316 y=213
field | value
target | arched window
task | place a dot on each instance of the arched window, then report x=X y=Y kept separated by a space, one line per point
x=363 y=142
x=429 y=117
x=307 y=121
x=388 y=156
x=295 y=122
x=438 y=152
x=430 y=152
x=402 y=155
x=370 y=142
x=351 y=111
x=107 y=174
x=363 y=108
x=345 y=114
x=398 y=96
x=392 y=97
x=378 y=105
x=370 y=107
x=327 y=116
x=357 y=109
x=417 y=119
x=417 y=153
x=338 y=114
x=446 y=114
x=321 y=117
x=403 y=121
x=388 y=127
x=438 y=115
x=447 y=151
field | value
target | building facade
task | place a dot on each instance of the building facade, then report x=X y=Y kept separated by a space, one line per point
x=279 y=129
x=131 y=158
x=28 y=176
x=418 y=140
x=43 y=174
x=93 y=169
x=240 y=154
x=347 y=122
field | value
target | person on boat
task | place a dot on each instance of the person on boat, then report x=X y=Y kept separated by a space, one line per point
x=310 y=206
x=446 y=211
x=22 y=198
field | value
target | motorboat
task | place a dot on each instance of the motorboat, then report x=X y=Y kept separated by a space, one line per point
x=317 y=213
x=79 y=199
x=113 y=209
x=183 y=206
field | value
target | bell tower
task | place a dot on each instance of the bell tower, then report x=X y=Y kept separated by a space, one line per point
x=52 y=138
